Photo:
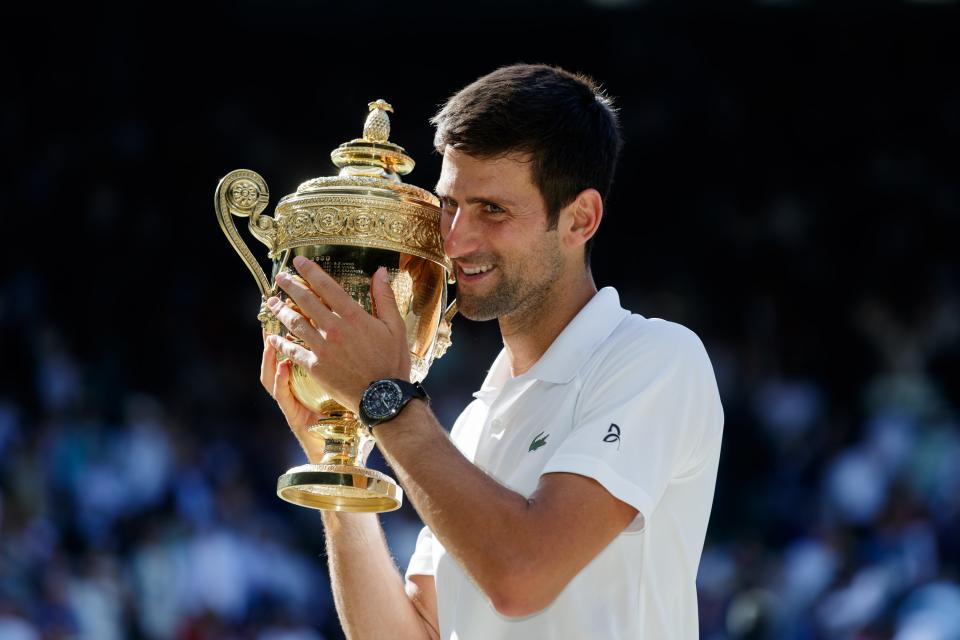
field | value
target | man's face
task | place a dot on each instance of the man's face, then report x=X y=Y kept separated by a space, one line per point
x=494 y=228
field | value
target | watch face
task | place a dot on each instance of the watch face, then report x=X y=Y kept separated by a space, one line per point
x=382 y=400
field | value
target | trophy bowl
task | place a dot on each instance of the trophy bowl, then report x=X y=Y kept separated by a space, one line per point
x=350 y=224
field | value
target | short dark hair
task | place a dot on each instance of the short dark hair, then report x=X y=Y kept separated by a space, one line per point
x=564 y=121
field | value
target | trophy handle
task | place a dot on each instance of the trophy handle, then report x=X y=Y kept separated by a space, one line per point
x=244 y=194
x=445 y=331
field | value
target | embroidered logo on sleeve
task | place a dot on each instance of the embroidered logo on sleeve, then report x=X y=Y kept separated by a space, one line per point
x=538 y=441
x=613 y=435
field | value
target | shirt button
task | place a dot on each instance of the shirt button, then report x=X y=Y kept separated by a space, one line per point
x=496 y=423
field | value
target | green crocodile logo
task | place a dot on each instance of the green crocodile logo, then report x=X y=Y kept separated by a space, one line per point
x=538 y=441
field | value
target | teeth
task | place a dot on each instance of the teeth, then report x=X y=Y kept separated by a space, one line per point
x=475 y=270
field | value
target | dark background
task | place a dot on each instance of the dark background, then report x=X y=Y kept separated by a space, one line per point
x=788 y=190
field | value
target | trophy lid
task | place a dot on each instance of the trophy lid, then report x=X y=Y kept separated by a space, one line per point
x=371 y=161
x=366 y=204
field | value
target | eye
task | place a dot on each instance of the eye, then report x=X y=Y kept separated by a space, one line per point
x=490 y=207
x=448 y=205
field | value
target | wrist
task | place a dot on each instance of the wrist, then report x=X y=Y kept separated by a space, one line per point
x=383 y=400
x=354 y=525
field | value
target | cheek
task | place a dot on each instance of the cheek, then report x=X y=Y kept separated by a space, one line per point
x=544 y=253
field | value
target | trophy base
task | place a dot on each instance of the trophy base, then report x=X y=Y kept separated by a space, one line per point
x=336 y=487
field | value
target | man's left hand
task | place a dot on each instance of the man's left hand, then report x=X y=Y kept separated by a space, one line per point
x=346 y=347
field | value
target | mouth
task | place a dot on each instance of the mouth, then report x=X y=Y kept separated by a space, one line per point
x=474 y=273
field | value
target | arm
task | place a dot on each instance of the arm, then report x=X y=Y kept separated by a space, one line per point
x=521 y=552
x=367 y=588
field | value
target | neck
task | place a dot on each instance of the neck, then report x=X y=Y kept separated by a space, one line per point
x=529 y=332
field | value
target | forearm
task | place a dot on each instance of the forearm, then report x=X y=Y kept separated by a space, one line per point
x=367 y=587
x=488 y=528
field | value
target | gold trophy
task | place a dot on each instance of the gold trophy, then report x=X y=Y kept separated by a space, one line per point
x=350 y=224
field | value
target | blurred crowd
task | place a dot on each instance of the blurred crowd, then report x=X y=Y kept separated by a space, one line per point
x=139 y=526
x=127 y=515
x=848 y=521
x=812 y=246
x=830 y=521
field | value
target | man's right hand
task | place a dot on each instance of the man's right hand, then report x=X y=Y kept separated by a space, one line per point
x=275 y=378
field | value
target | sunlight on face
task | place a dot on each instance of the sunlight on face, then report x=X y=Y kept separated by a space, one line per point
x=494 y=227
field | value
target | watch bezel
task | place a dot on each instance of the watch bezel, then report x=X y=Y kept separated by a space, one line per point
x=408 y=391
x=369 y=391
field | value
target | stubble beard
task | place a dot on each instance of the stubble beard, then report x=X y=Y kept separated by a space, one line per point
x=512 y=295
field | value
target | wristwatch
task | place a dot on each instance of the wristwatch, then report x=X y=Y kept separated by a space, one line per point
x=383 y=400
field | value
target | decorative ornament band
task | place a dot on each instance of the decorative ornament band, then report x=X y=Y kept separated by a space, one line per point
x=362 y=221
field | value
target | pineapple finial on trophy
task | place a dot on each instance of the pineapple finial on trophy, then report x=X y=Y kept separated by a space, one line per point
x=373 y=155
x=377 y=127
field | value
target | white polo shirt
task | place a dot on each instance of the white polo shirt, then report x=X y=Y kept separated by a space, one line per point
x=632 y=403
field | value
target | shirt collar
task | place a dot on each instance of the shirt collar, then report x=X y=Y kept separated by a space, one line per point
x=496 y=378
x=591 y=326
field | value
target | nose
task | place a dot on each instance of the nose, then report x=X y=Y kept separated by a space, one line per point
x=460 y=235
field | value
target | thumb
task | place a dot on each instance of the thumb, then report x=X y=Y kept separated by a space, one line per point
x=385 y=303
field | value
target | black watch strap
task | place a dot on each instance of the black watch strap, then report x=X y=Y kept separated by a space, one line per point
x=384 y=399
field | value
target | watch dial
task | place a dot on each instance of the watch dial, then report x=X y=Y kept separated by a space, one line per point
x=382 y=399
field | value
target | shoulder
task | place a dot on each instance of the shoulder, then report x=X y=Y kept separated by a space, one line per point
x=651 y=345
x=656 y=372
x=655 y=331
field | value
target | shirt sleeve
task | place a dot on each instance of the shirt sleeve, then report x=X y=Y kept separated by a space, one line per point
x=642 y=416
x=421 y=562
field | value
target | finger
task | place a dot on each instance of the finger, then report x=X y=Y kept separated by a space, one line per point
x=326 y=287
x=308 y=301
x=268 y=365
x=385 y=302
x=296 y=323
x=288 y=403
x=299 y=355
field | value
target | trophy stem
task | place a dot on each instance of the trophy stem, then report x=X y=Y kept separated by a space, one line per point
x=340 y=481
x=346 y=441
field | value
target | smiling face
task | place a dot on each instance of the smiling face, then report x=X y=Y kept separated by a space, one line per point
x=495 y=230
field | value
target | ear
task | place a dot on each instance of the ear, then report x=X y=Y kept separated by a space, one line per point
x=579 y=220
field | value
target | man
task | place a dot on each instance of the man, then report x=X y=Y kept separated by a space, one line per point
x=572 y=497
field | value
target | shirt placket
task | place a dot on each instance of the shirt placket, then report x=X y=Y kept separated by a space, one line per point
x=497 y=429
